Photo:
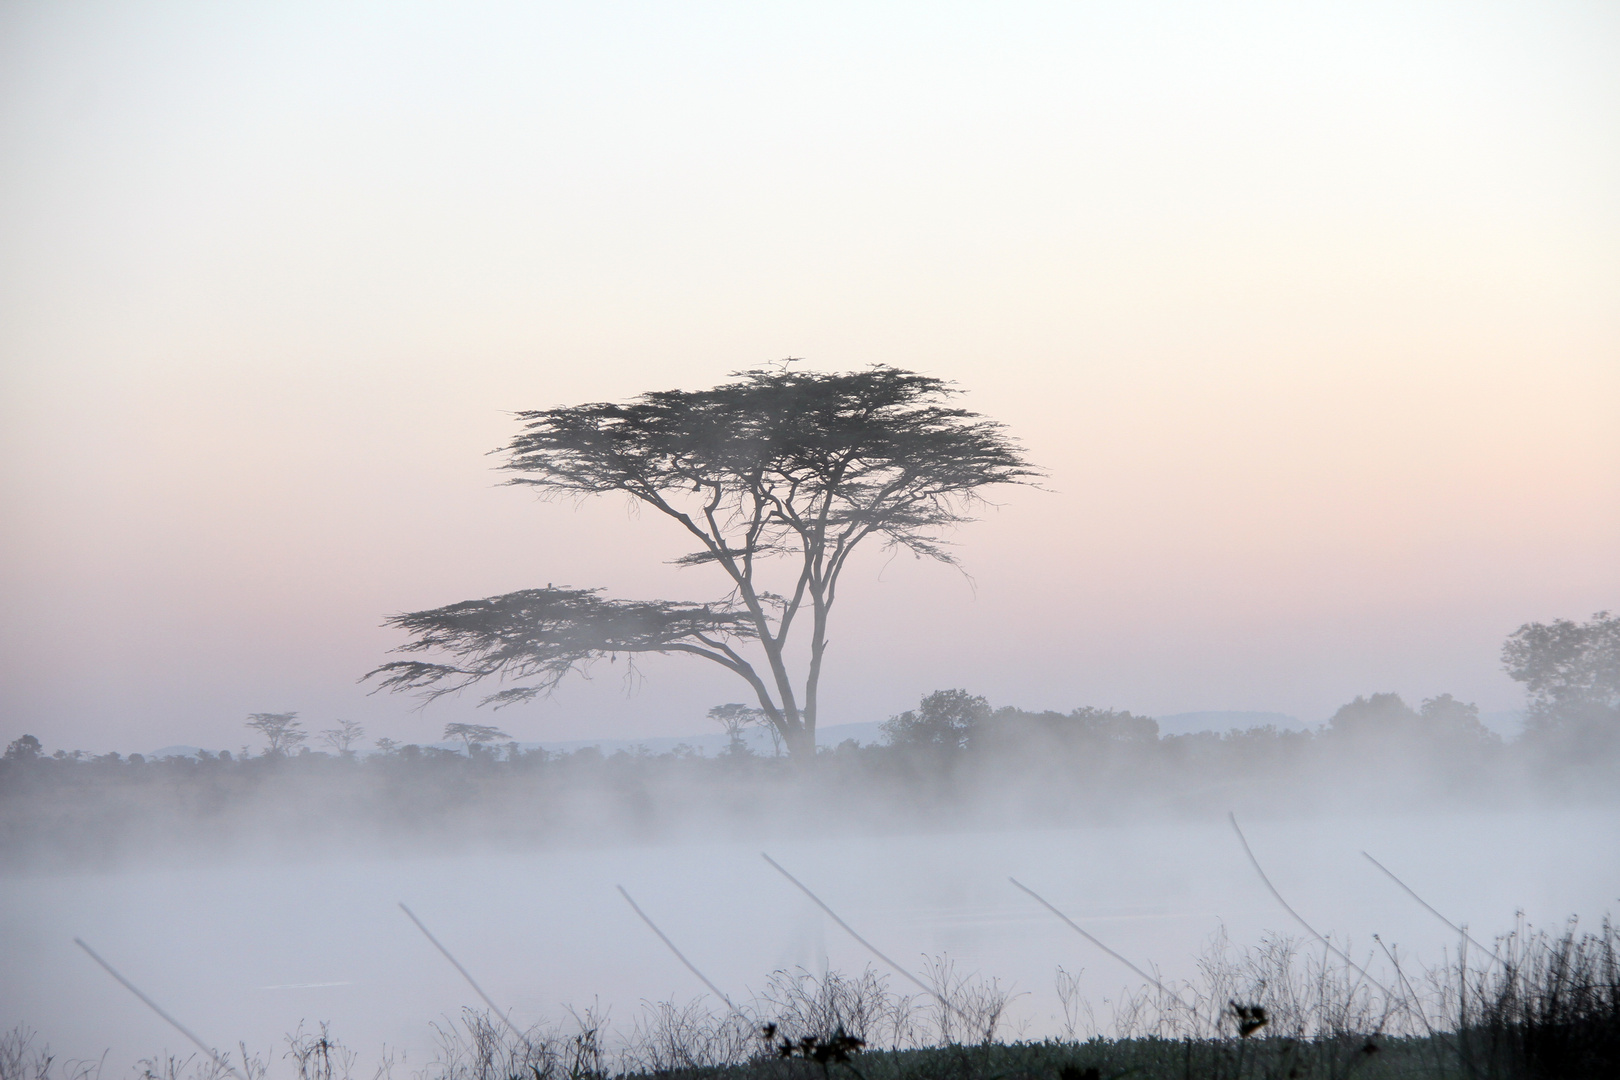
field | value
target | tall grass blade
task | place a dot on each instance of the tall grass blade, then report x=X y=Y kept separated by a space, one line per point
x=457 y=964
x=1039 y=899
x=1408 y=890
x=704 y=979
x=931 y=991
x=150 y=1004
x=1309 y=929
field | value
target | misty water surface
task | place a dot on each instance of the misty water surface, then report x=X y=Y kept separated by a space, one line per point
x=246 y=951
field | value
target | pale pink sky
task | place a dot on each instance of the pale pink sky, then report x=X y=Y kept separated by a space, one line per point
x=1309 y=310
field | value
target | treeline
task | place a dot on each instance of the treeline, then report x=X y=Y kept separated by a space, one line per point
x=949 y=729
x=1570 y=670
x=954 y=761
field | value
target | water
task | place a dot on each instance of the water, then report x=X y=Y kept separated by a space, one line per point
x=247 y=950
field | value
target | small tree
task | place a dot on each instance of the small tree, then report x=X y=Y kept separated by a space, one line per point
x=736 y=718
x=343 y=737
x=783 y=469
x=26 y=748
x=1374 y=718
x=1445 y=715
x=472 y=735
x=281 y=730
x=1571 y=671
x=944 y=720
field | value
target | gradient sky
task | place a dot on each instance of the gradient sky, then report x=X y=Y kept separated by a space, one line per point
x=1310 y=311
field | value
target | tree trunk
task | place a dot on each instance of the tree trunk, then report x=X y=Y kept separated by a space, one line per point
x=801 y=743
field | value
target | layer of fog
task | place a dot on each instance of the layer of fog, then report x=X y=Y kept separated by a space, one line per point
x=247 y=949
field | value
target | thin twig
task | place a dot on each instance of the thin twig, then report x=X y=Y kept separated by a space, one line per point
x=1411 y=995
x=150 y=1004
x=704 y=979
x=457 y=964
x=931 y=991
x=1039 y=899
x=1388 y=994
x=1408 y=890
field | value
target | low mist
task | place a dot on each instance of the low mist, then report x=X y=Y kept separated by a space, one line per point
x=286 y=870
x=955 y=763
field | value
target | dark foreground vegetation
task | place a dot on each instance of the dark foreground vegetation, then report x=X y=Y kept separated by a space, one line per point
x=1544 y=1006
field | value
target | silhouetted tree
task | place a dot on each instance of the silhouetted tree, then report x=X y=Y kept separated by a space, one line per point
x=1377 y=717
x=944 y=720
x=281 y=730
x=1114 y=725
x=775 y=468
x=1571 y=671
x=1446 y=716
x=1086 y=730
x=472 y=735
x=26 y=748
x=343 y=737
x=736 y=718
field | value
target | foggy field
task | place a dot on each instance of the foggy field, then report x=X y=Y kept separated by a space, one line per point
x=257 y=896
x=247 y=950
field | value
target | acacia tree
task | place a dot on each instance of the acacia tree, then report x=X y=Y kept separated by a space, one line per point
x=343 y=737
x=472 y=735
x=778 y=475
x=280 y=729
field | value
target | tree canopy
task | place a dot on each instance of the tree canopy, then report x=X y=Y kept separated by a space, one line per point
x=282 y=731
x=1571 y=670
x=472 y=735
x=944 y=720
x=777 y=475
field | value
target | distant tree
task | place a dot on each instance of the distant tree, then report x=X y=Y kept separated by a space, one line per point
x=1375 y=717
x=1386 y=716
x=472 y=735
x=944 y=720
x=281 y=730
x=385 y=745
x=777 y=468
x=1571 y=671
x=1445 y=715
x=343 y=737
x=1115 y=725
x=26 y=748
x=1084 y=729
x=736 y=718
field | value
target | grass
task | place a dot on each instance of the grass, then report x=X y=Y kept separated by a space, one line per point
x=1541 y=1006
